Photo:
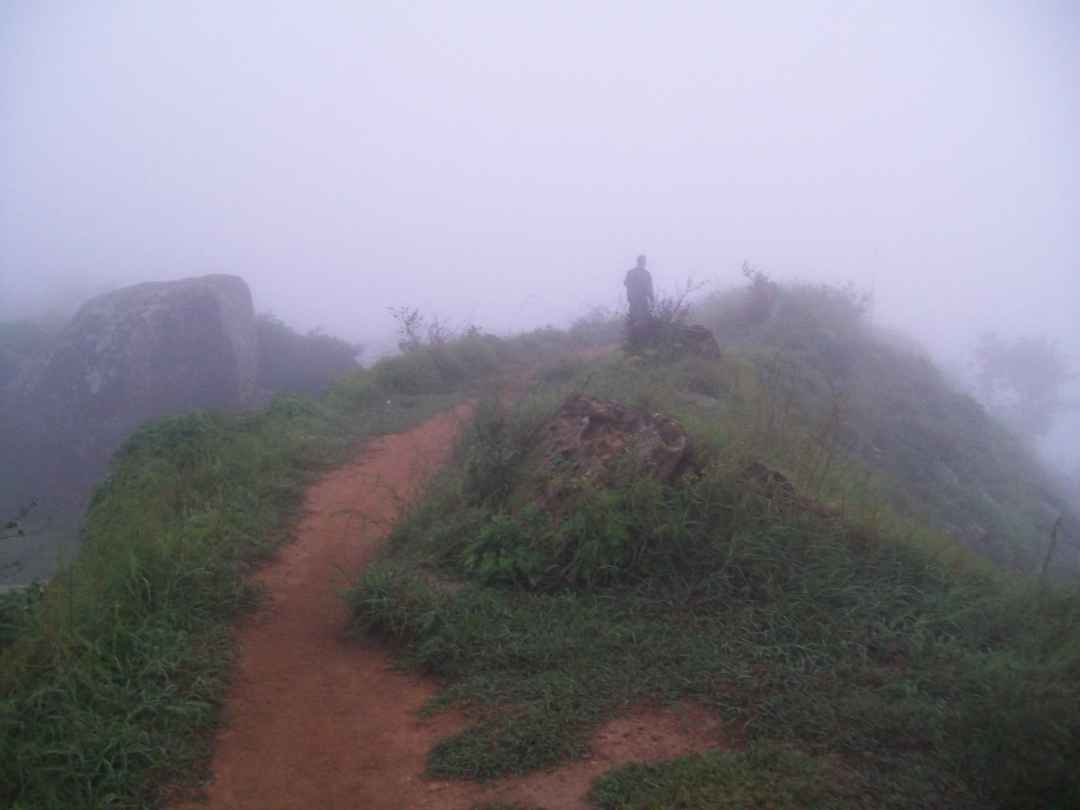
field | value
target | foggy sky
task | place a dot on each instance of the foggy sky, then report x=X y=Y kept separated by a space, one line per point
x=503 y=163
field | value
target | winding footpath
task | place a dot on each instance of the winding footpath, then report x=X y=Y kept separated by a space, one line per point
x=315 y=720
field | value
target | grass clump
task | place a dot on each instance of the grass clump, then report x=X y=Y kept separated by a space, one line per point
x=838 y=640
x=764 y=776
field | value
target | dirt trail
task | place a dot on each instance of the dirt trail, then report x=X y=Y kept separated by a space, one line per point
x=315 y=720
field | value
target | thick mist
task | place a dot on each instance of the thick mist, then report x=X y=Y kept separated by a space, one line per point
x=502 y=165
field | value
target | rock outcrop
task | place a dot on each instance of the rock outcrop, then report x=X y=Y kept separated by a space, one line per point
x=671 y=339
x=132 y=355
x=143 y=352
x=590 y=441
x=695 y=340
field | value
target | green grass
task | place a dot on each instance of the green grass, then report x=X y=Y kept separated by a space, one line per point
x=842 y=642
x=111 y=681
x=112 y=677
x=949 y=463
x=864 y=659
x=764 y=776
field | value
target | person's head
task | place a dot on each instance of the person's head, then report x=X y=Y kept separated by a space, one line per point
x=641 y=261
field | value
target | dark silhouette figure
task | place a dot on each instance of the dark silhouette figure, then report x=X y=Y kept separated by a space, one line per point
x=639 y=291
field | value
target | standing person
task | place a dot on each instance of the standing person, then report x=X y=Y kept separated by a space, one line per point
x=639 y=292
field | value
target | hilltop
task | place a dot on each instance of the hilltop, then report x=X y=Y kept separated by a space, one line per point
x=843 y=575
x=843 y=578
x=937 y=454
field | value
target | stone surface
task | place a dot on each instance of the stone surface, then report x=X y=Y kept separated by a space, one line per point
x=143 y=352
x=771 y=483
x=697 y=340
x=672 y=339
x=590 y=440
x=129 y=356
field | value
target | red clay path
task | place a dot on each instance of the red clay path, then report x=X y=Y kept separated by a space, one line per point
x=314 y=720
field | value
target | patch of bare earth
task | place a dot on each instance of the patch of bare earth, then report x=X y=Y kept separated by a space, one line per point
x=315 y=720
x=644 y=735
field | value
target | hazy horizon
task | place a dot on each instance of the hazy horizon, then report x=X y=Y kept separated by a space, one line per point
x=502 y=165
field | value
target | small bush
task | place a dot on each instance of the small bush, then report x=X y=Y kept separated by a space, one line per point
x=17 y=607
x=290 y=361
x=414 y=372
x=438 y=365
x=356 y=391
x=476 y=353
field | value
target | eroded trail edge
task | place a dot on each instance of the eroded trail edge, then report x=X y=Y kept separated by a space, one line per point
x=313 y=719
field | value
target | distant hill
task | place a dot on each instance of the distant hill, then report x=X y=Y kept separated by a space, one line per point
x=839 y=577
x=939 y=455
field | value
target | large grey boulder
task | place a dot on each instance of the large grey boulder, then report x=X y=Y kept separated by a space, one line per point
x=129 y=356
x=143 y=352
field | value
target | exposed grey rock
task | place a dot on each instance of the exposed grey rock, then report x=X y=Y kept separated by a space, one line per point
x=771 y=483
x=697 y=340
x=144 y=352
x=129 y=356
x=672 y=339
x=590 y=440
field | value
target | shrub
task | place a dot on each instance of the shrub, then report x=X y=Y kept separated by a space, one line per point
x=414 y=372
x=477 y=354
x=290 y=361
x=438 y=365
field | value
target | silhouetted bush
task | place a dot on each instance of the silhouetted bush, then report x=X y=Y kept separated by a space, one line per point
x=429 y=368
x=413 y=372
x=290 y=361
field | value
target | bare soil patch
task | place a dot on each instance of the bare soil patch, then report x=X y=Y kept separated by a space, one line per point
x=644 y=735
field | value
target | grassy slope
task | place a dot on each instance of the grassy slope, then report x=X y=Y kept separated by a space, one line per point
x=865 y=652
x=865 y=660
x=946 y=460
x=112 y=677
